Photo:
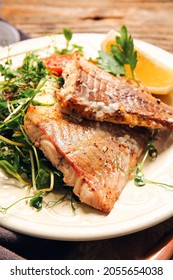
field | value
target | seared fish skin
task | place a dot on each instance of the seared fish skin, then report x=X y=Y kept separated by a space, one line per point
x=94 y=94
x=95 y=158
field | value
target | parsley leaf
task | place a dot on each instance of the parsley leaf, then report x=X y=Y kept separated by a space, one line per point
x=121 y=53
x=109 y=64
x=125 y=49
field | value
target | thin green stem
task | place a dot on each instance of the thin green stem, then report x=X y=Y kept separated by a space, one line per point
x=51 y=183
x=8 y=141
x=33 y=171
x=158 y=183
x=5 y=209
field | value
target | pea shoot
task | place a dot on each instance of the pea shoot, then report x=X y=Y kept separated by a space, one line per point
x=140 y=180
x=69 y=49
x=19 y=158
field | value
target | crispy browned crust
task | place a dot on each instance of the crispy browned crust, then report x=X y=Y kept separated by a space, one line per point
x=95 y=158
x=94 y=94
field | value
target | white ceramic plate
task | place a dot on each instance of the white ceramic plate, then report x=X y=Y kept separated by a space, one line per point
x=136 y=209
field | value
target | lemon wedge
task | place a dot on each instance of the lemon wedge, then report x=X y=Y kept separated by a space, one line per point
x=154 y=67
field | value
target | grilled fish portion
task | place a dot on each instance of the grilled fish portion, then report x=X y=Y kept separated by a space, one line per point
x=94 y=94
x=95 y=158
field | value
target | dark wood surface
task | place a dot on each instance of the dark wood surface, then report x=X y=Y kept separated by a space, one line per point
x=151 y=21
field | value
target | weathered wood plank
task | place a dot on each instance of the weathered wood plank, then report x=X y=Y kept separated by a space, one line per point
x=151 y=21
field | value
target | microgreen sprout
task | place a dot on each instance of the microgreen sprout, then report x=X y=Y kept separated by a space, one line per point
x=67 y=196
x=34 y=200
x=68 y=36
x=18 y=156
x=70 y=48
x=140 y=180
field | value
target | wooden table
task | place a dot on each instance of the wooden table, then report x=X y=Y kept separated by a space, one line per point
x=151 y=21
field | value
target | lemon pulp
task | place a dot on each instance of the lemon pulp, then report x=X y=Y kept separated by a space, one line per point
x=151 y=74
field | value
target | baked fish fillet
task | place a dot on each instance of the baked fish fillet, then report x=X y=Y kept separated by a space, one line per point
x=94 y=94
x=95 y=158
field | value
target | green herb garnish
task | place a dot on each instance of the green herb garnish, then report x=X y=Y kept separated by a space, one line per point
x=18 y=156
x=69 y=49
x=110 y=64
x=140 y=180
x=121 y=54
x=36 y=201
x=68 y=35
